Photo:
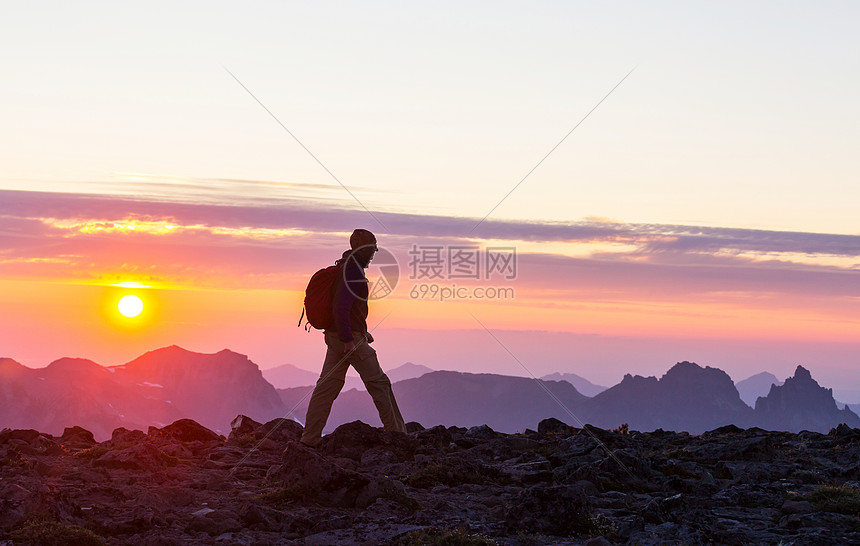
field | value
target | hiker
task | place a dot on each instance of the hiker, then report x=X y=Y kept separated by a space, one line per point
x=348 y=343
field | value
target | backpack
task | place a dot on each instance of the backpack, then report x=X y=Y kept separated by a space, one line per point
x=319 y=296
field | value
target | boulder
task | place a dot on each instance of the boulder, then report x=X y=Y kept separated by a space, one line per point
x=142 y=456
x=27 y=435
x=186 y=430
x=413 y=426
x=280 y=430
x=122 y=435
x=77 y=438
x=560 y=510
x=553 y=426
x=352 y=440
x=314 y=477
x=242 y=425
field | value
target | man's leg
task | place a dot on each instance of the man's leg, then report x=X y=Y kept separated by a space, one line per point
x=378 y=385
x=327 y=388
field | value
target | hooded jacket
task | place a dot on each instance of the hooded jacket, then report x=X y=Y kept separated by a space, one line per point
x=350 y=298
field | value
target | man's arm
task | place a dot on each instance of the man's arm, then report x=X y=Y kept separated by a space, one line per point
x=343 y=306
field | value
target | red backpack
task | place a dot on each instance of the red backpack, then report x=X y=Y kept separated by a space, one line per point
x=319 y=297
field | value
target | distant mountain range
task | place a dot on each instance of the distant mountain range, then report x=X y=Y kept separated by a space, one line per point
x=756 y=386
x=454 y=398
x=582 y=384
x=688 y=397
x=289 y=376
x=172 y=383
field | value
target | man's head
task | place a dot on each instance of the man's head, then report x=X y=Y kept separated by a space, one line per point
x=363 y=243
x=360 y=238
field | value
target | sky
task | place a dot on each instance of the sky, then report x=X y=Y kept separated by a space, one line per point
x=671 y=180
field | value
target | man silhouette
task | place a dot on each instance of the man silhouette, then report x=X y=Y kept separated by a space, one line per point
x=348 y=343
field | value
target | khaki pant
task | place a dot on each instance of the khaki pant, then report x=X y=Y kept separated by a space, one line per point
x=331 y=381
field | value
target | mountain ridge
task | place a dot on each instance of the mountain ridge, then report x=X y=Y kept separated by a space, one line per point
x=755 y=386
x=581 y=384
x=171 y=383
x=156 y=388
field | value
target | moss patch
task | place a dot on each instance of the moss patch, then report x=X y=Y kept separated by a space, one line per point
x=92 y=453
x=840 y=499
x=440 y=537
x=441 y=474
x=51 y=533
x=284 y=496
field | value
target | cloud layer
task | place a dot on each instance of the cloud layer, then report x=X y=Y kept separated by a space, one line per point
x=100 y=231
x=590 y=277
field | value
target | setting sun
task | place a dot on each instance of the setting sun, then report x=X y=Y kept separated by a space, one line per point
x=130 y=306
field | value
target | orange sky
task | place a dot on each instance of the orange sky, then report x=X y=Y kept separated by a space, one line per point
x=215 y=276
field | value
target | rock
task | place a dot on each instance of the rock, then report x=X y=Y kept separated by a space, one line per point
x=758 y=448
x=365 y=486
x=412 y=426
x=242 y=425
x=27 y=435
x=530 y=472
x=122 y=435
x=559 y=510
x=45 y=445
x=728 y=429
x=316 y=477
x=796 y=507
x=251 y=514
x=202 y=512
x=280 y=430
x=177 y=450
x=376 y=457
x=482 y=432
x=844 y=432
x=77 y=438
x=273 y=434
x=143 y=456
x=186 y=430
x=352 y=440
x=434 y=437
x=660 y=509
x=553 y=426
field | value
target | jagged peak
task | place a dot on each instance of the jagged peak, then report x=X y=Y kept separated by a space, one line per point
x=686 y=369
x=803 y=379
x=802 y=373
x=685 y=365
x=630 y=379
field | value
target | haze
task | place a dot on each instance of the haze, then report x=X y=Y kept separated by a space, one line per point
x=705 y=211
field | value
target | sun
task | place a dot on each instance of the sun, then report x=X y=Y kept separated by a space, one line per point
x=130 y=306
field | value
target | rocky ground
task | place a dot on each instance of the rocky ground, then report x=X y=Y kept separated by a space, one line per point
x=184 y=484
